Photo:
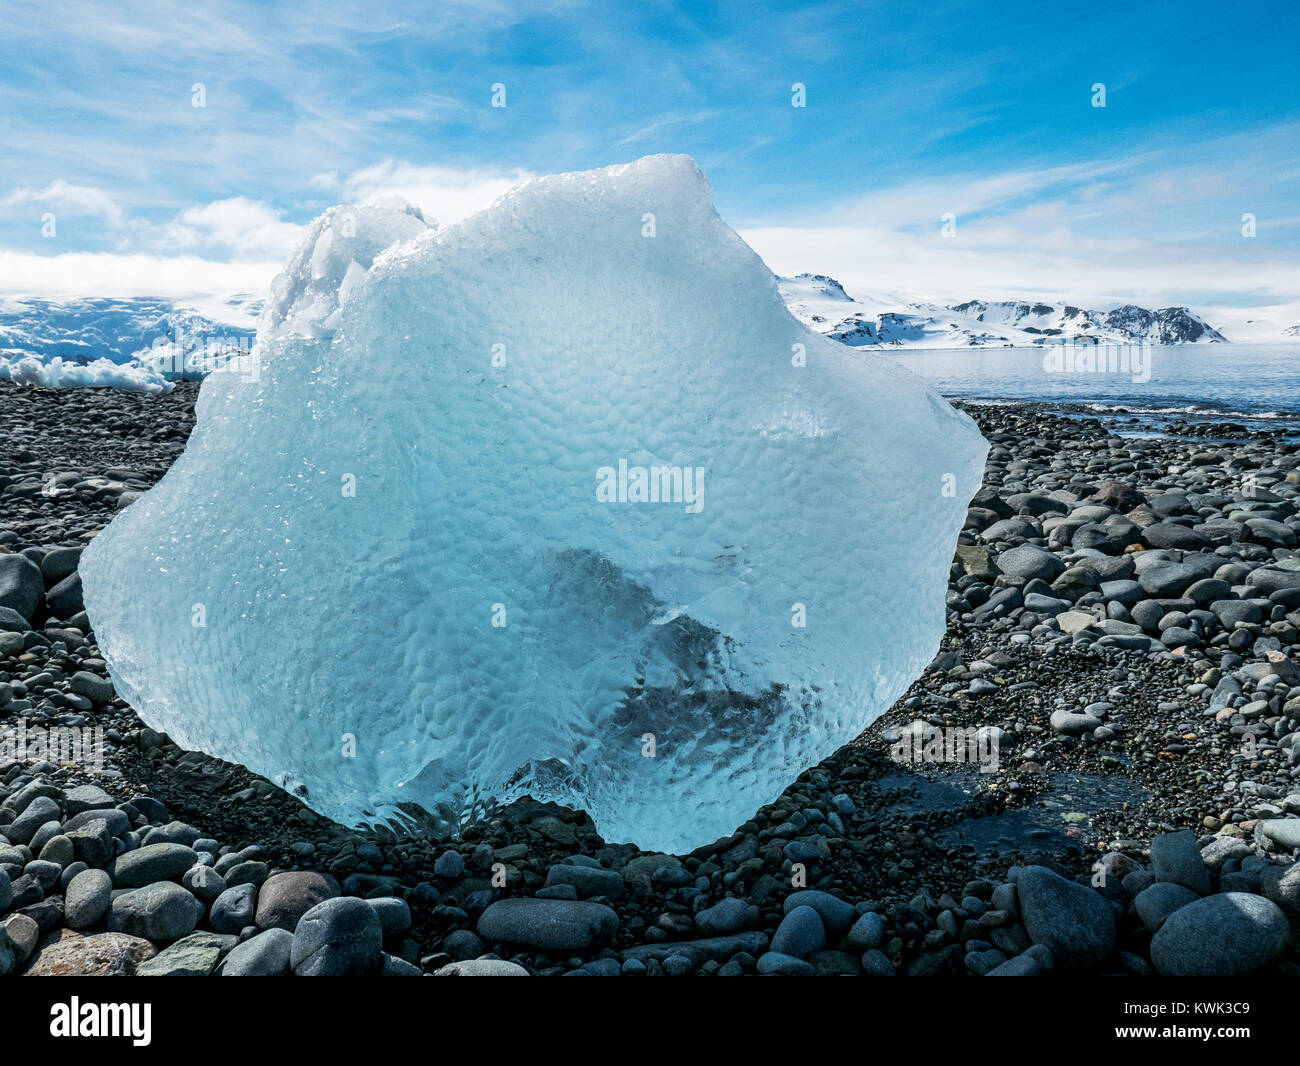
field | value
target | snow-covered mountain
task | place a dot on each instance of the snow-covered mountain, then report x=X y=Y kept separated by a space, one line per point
x=823 y=304
x=145 y=343
x=135 y=342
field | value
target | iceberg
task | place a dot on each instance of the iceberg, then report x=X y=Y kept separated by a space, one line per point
x=58 y=373
x=559 y=500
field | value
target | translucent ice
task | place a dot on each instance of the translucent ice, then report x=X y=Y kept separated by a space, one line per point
x=560 y=500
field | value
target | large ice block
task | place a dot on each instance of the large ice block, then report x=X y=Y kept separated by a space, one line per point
x=559 y=500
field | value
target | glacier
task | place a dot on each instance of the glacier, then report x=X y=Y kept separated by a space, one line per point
x=559 y=500
x=136 y=344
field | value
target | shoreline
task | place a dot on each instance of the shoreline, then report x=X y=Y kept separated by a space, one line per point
x=1104 y=742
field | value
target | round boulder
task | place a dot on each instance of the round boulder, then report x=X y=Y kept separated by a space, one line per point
x=1029 y=562
x=285 y=897
x=161 y=912
x=337 y=938
x=1227 y=935
x=264 y=955
x=1071 y=919
x=87 y=898
x=21 y=584
x=233 y=910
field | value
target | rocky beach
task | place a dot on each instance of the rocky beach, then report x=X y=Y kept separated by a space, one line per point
x=1099 y=772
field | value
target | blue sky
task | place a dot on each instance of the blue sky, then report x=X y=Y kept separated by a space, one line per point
x=913 y=111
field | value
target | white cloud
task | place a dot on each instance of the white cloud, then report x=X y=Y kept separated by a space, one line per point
x=138 y=274
x=235 y=245
x=1144 y=228
x=922 y=203
x=63 y=197
x=665 y=122
x=248 y=229
x=884 y=261
x=181 y=259
x=446 y=194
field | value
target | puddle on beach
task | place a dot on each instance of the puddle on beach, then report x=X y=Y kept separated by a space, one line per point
x=1058 y=818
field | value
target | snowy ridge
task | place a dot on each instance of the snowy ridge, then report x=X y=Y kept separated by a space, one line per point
x=144 y=343
x=822 y=303
x=138 y=343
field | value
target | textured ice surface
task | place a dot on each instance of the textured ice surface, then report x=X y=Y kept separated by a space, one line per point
x=433 y=446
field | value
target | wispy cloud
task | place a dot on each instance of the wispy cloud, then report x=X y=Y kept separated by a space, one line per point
x=1156 y=226
x=444 y=194
x=233 y=244
x=66 y=198
x=912 y=113
x=664 y=123
x=243 y=228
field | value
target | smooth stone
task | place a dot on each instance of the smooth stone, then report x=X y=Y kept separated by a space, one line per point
x=547 y=924
x=1207 y=591
x=250 y=872
x=42 y=809
x=21 y=584
x=203 y=882
x=481 y=968
x=174 y=833
x=1168 y=579
x=875 y=963
x=99 y=690
x=868 y=932
x=1175 y=857
x=1072 y=622
x=588 y=882
x=1022 y=965
x=263 y=955
x=59 y=563
x=394 y=914
x=392 y=966
x=284 y=898
x=234 y=909
x=463 y=944
x=1070 y=919
x=87 y=898
x=774 y=963
x=1230 y=612
x=726 y=916
x=160 y=912
x=1225 y=935
x=1157 y=902
x=1222 y=849
x=1030 y=562
x=336 y=938
x=58 y=849
x=1281 y=832
x=706 y=949
x=450 y=865
x=153 y=862
x=1127 y=592
x=1073 y=723
x=46 y=873
x=800 y=933
x=1174 y=535
x=836 y=915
